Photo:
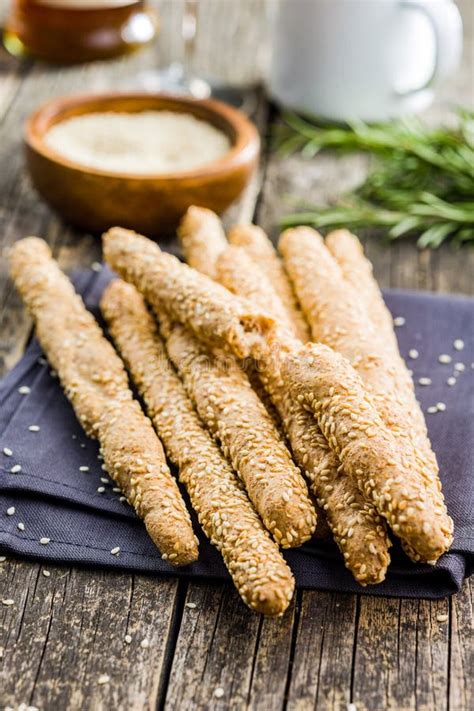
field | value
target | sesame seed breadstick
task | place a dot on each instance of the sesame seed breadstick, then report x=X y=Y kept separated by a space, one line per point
x=188 y=296
x=96 y=384
x=237 y=418
x=325 y=382
x=261 y=250
x=365 y=550
x=338 y=320
x=226 y=515
x=357 y=271
x=202 y=238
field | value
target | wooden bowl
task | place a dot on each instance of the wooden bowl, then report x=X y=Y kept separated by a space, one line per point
x=153 y=204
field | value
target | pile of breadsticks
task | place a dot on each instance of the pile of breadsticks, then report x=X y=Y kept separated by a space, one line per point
x=274 y=385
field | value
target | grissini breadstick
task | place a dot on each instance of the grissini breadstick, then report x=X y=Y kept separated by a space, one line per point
x=187 y=296
x=357 y=271
x=228 y=519
x=365 y=550
x=202 y=238
x=260 y=249
x=260 y=293
x=325 y=382
x=96 y=383
x=234 y=414
x=337 y=319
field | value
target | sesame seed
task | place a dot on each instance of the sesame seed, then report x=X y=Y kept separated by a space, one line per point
x=442 y=618
x=432 y=409
x=103 y=679
x=53 y=374
x=44 y=541
x=8 y=602
x=105 y=481
x=103 y=467
x=424 y=381
x=458 y=344
x=21 y=526
x=7 y=451
x=74 y=436
x=100 y=489
x=46 y=573
x=24 y=390
x=399 y=321
x=82 y=445
x=444 y=358
x=10 y=511
x=219 y=692
x=460 y=367
x=451 y=380
x=83 y=469
x=42 y=360
x=127 y=639
x=122 y=499
x=116 y=550
x=96 y=266
x=191 y=605
x=413 y=353
x=3 y=558
x=116 y=489
x=145 y=643
x=16 y=469
x=34 y=428
x=440 y=406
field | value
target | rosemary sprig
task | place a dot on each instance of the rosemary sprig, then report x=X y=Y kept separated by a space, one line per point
x=422 y=179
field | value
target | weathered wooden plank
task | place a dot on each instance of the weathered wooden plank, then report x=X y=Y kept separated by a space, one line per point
x=66 y=631
x=321 y=670
x=461 y=659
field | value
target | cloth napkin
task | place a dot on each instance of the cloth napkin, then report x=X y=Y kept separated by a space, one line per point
x=58 y=504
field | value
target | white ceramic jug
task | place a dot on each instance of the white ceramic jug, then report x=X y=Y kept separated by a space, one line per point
x=362 y=59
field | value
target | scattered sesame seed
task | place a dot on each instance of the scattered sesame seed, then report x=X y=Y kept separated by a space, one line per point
x=444 y=358
x=191 y=605
x=24 y=390
x=440 y=406
x=44 y=541
x=413 y=353
x=16 y=469
x=74 y=436
x=116 y=550
x=442 y=618
x=42 y=360
x=34 y=428
x=122 y=499
x=116 y=489
x=3 y=558
x=83 y=469
x=21 y=526
x=103 y=679
x=104 y=480
x=432 y=409
x=127 y=639
x=458 y=344
x=8 y=602
x=399 y=321
x=46 y=573
x=100 y=489
x=10 y=511
x=96 y=266
x=53 y=374
x=219 y=692
x=145 y=643
x=103 y=467
x=7 y=452
x=460 y=367
x=82 y=445
x=424 y=381
x=451 y=380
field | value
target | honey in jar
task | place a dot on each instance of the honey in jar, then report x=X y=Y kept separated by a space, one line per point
x=67 y=31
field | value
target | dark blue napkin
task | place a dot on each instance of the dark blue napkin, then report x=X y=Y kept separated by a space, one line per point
x=51 y=479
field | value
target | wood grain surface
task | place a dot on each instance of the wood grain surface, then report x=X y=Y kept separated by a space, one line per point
x=65 y=634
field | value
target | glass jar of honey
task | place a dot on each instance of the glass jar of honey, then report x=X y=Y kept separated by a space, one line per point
x=68 y=31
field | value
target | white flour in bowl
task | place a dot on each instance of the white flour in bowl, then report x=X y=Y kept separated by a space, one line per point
x=141 y=143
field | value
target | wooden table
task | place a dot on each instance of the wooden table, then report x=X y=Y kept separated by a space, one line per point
x=330 y=649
